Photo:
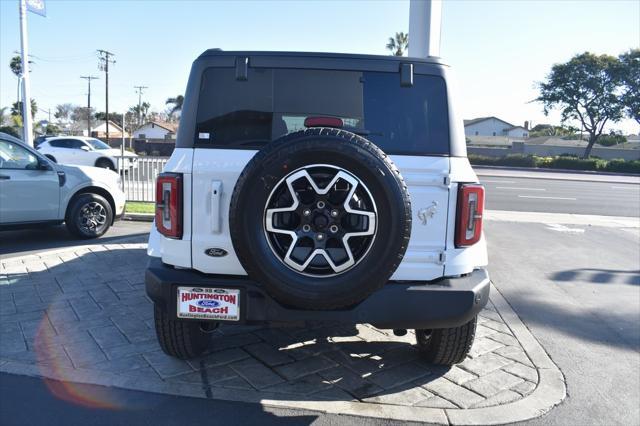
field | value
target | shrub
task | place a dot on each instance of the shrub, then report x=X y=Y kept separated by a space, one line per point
x=577 y=163
x=611 y=139
x=518 y=160
x=622 y=166
x=10 y=131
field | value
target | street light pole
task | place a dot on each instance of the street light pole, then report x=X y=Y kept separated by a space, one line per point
x=27 y=125
x=88 y=78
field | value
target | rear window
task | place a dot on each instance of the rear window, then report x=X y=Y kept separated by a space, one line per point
x=238 y=114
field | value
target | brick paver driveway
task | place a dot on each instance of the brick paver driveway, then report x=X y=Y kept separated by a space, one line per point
x=82 y=315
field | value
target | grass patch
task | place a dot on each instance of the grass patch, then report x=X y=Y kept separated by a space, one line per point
x=140 y=207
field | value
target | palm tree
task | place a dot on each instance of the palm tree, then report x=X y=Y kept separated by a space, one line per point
x=16 y=69
x=398 y=44
x=16 y=108
x=177 y=104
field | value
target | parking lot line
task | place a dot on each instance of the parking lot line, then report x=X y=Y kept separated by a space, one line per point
x=547 y=198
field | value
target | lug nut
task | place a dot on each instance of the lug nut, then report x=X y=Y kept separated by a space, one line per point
x=306 y=212
x=321 y=204
x=333 y=228
x=306 y=228
x=334 y=213
x=320 y=237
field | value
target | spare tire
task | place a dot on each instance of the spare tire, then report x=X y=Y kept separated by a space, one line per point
x=321 y=218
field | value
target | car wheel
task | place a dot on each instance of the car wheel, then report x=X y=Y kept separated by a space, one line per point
x=105 y=164
x=51 y=157
x=182 y=339
x=321 y=218
x=89 y=216
x=446 y=346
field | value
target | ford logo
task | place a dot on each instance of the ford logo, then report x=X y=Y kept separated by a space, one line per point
x=215 y=252
x=208 y=303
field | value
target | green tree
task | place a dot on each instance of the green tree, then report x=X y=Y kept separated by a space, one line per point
x=79 y=113
x=398 y=44
x=629 y=73
x=63 y=112
x=584 y=89
x=114 y=117
x=176 y=104
x=16 y=108
x=3 y=116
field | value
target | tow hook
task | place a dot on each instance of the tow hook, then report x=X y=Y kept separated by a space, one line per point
x=399 y=331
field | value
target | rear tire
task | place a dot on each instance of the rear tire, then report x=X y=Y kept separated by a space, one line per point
x=446 y=346
x=180 y=339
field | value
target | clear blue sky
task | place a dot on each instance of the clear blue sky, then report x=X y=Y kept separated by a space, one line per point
x=498 y=49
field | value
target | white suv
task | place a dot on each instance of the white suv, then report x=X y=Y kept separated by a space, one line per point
x=318 y=187
x=35 y=192
x=83 y=151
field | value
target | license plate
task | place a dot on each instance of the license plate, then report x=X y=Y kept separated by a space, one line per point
x=220 y=304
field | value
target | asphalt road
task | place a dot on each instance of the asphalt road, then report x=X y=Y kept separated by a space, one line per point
x=579 y=294
x=562 y=196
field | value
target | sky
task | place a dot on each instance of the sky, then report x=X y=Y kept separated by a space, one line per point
x=498 y=50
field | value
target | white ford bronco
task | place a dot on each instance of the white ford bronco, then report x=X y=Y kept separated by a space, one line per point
x=318 y=187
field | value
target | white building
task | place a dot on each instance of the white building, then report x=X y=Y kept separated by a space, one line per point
x=156 y=130
x=493 y=126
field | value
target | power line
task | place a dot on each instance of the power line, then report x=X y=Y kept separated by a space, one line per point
x=89 y=78
x=103 y=65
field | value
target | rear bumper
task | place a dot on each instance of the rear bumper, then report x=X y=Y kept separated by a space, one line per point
x=446 y=303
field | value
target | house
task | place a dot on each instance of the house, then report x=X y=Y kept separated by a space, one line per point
x=98 y=129
x=156 y=130
x=493 y=126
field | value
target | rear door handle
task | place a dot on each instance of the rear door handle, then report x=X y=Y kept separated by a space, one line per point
x=5 y=177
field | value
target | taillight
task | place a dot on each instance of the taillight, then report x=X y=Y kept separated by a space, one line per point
x=469 y=214
x=323 y=122
x=169 y=205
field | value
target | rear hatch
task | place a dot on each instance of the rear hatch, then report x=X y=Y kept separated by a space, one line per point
x=240 y=109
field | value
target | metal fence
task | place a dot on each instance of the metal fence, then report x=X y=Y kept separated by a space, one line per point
x=139 y=180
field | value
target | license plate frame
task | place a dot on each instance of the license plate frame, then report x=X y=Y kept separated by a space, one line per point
x=208 y=303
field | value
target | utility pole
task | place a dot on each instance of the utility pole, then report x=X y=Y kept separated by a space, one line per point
x=139 y=89
x=88 y=78
x=105 y=60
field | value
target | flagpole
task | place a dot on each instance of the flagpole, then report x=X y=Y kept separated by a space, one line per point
x=26 y=89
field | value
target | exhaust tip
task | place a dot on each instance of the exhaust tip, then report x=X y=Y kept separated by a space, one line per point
x=399 y=331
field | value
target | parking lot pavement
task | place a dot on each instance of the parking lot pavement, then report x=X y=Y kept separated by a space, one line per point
x=81 y=316
x=28 y=241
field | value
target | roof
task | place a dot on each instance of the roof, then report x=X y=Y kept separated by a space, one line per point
x=171 y=127
x=481 y=119
x=328 y=55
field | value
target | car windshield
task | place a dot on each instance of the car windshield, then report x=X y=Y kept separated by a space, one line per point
x=97 y=144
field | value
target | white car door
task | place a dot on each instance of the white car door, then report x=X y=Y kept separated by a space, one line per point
x=29 y=192
x=61 y=150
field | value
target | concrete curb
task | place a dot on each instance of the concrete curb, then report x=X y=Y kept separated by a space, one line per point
x=549 y=392
x=139 y=217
